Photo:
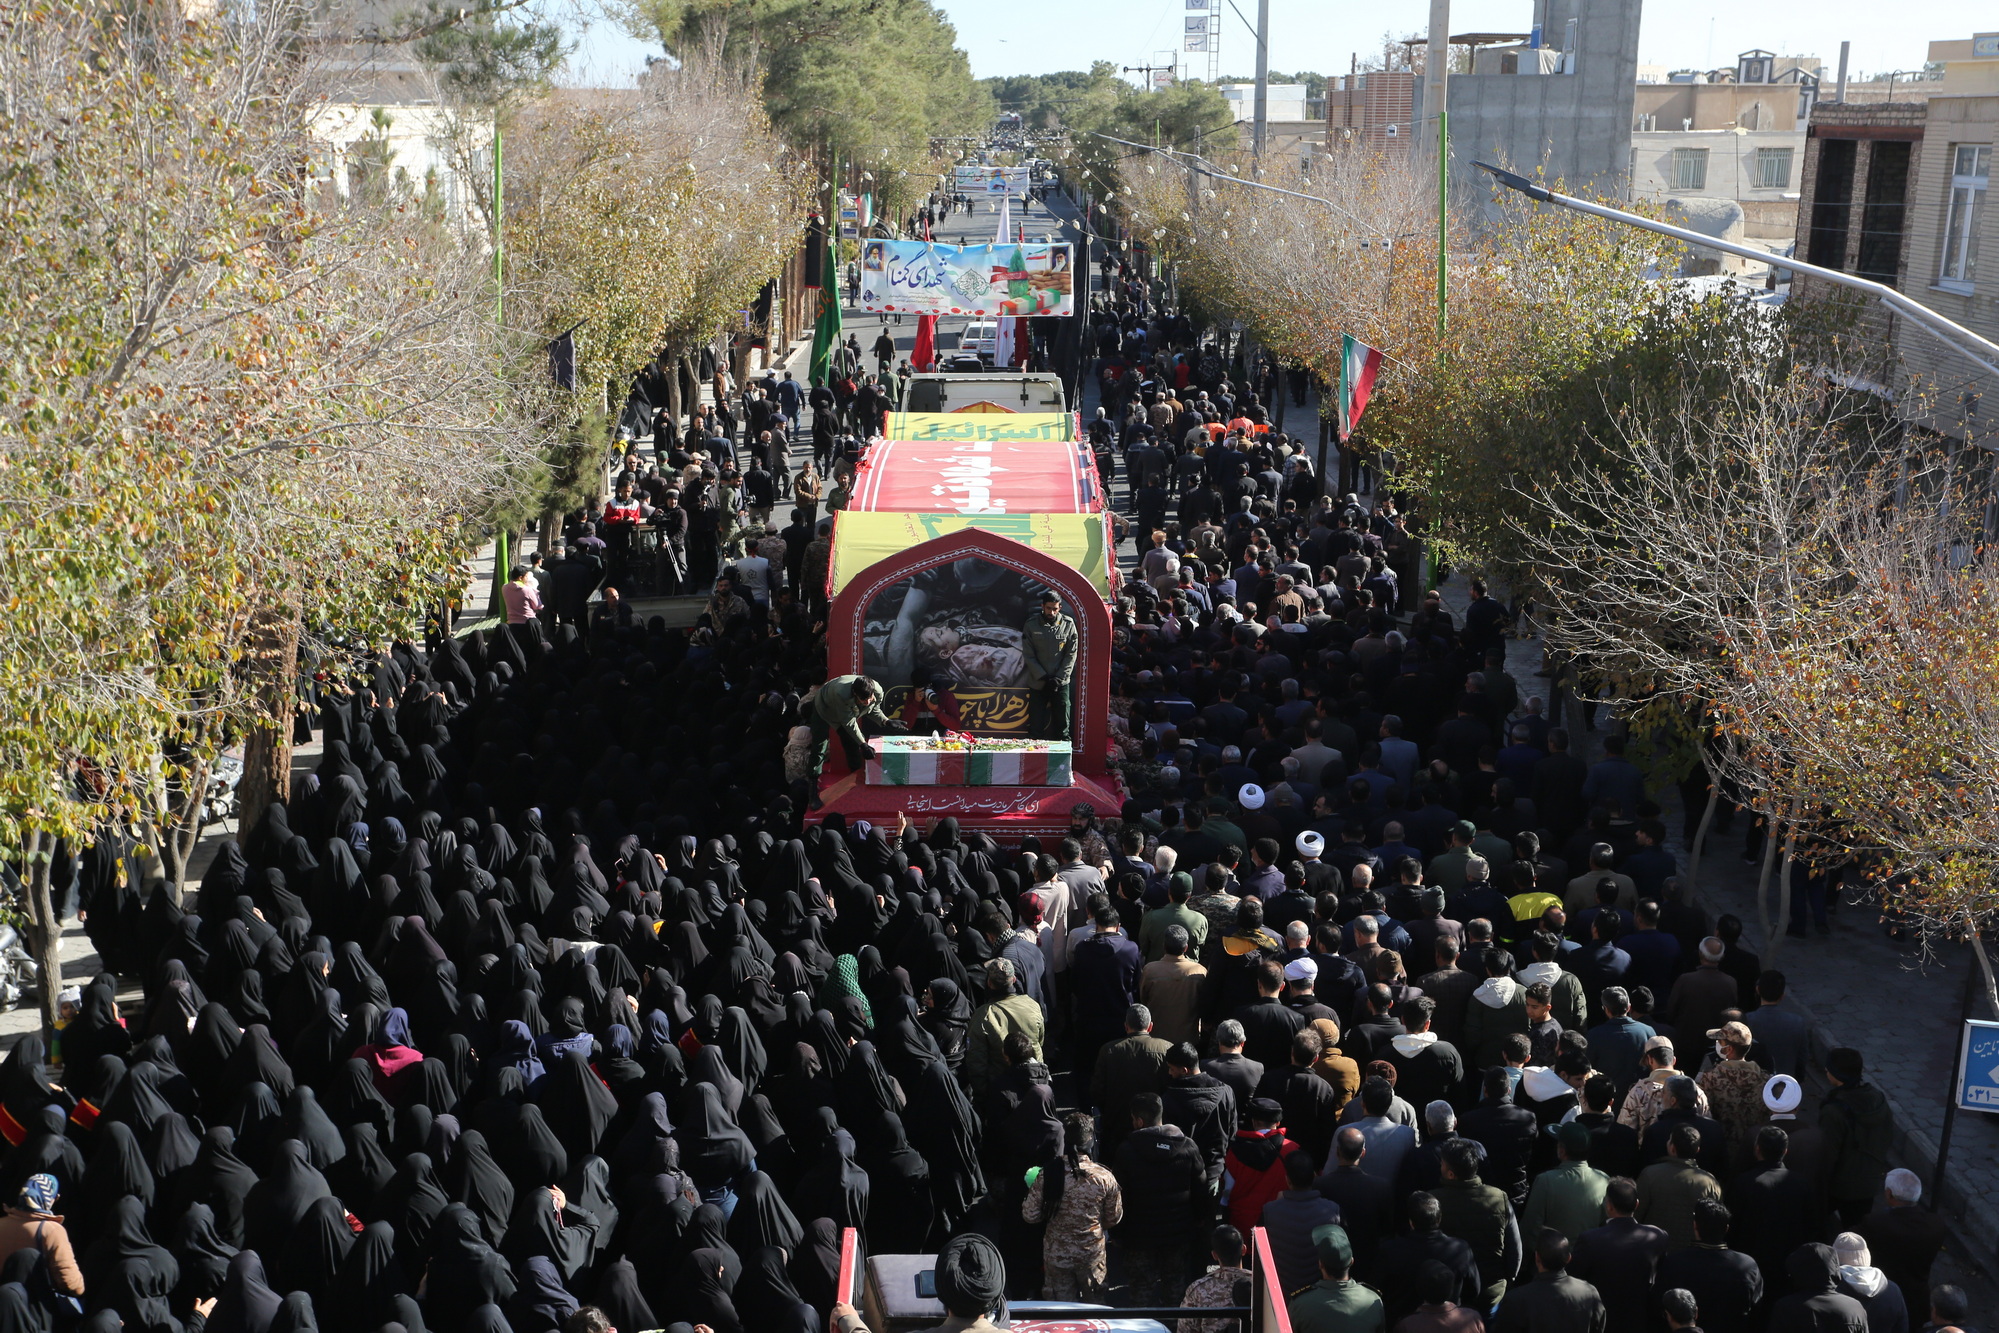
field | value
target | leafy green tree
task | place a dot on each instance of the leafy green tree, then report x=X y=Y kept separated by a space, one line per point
x=865 y=83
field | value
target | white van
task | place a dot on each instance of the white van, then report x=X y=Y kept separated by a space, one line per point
x=981 y=336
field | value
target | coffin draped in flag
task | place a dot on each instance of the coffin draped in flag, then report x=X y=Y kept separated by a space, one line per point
x=1358 y=366
x=907 y=762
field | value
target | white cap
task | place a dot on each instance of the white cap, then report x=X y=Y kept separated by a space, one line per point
x=1250 y=797
x=1301 y=969
x=1782 y=1094
x=1311 y=843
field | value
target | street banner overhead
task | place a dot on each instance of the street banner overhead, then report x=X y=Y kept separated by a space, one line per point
x=992 y=182
x=1007 y=278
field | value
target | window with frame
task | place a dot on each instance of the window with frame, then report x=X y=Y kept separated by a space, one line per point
x=1971 y=173
x=1690 y=168
x=1773 y=168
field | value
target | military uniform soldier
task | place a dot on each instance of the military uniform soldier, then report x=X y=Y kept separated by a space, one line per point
x=1048 y=641
x=842 y=706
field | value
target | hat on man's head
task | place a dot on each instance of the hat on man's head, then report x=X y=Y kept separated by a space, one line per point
x=1330 y=1241
x=1301 y=969
x=1782 y=1094
x=1734 y=1034
x=1311 y=843
x=1250 y=797
x=1574 y=1139
x=999 y=971
x=1464 y=828
x=1657 y=1043
x=1266 y=1108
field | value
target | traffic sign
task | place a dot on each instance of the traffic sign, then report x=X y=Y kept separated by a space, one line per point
x=1978 y=1066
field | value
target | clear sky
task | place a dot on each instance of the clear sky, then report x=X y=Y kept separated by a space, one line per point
x=1041 y=36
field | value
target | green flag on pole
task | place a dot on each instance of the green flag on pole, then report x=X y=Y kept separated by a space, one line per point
x=826 y=329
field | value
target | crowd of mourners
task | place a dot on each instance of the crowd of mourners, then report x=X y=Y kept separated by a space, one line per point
x=538 y=1006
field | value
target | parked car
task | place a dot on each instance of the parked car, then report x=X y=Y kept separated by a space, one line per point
x=980 y=337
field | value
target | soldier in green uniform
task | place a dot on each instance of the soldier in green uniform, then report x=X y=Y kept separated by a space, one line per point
x=1336 y=1303
x=844 y=705
x=1048 y=643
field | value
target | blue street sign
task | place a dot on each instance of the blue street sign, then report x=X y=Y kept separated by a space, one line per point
x=1978 y=1066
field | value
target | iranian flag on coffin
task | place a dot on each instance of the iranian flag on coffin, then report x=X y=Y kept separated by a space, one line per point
x=1043 y=766
x=1358 y=366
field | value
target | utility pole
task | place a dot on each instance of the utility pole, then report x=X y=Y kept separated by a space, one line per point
x=1845 y=48
x=1261 y=129
x=499 y=230
x=1436 y=105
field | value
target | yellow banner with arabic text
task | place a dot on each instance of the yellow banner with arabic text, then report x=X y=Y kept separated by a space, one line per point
x=864 y=539
x=981 y=426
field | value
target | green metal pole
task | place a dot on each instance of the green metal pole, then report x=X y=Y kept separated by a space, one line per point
x=1443 y=219
x=499 y=230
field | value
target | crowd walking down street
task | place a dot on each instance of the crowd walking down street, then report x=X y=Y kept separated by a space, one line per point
x=540 y=1004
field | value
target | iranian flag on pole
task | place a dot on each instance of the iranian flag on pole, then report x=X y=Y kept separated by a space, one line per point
x=1358 y=365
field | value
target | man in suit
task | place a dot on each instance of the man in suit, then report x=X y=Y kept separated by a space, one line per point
x=1366 y=1201
x=1621 y=1257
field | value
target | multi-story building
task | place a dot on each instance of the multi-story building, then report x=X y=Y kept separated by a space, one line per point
x=1375 y=111
x=1896 y=192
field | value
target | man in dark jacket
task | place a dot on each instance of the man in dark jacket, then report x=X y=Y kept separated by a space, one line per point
x=1160 y=1173
x=1427 y=1068
x=1399 y=1260
x=1553 y=1302
x=1479 y=1215
x=1904 y=1239
x=1815 y=1304
x=1507 y=1132
x=1266 y=1024
x=1367 y=1202
x=1621 y=1257
x=1125 y=1069
x=1311 y=1110
x=1231 y=1066
x=1289 y=1219
x=1727 y=1283
x=1858 y=1127
x=1202 y=1106
x=1775 y=1208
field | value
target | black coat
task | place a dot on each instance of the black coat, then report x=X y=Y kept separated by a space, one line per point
x=1815 y=1304
x=1160 y=1173
x=1267 y=1031
x=1620 y=1258
x=1774 y=1210
x=1204 y=1107
x=1432 y=1074
x=1507 y=1131
x=1726 y=1284
x=1241 y=1073
x=1398 y=1268
x=1367 y=1203
x=1552 y=1303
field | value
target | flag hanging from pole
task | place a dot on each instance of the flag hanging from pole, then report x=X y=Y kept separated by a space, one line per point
x=826 y=329
x=924 y=355
x=1358 y=365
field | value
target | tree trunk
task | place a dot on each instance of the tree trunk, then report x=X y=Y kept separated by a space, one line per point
x=1984 y=964
x=670 y=370
x=181 y=830
x=1700 y=834
x=267 y=753
x=1775 y=944
x=44 y=930
x=549 y=529
x=1763 y=879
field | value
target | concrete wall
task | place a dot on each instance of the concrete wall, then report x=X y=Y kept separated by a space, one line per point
x=1956 y=398
x=1575 y=126
x=1731 y=174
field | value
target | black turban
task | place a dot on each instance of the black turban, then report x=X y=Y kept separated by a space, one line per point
x=971 y=1276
